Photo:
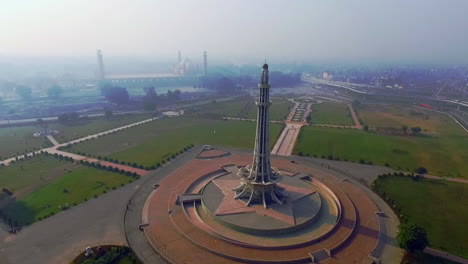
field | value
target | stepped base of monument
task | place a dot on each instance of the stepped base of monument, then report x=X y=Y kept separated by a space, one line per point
x=193 y=214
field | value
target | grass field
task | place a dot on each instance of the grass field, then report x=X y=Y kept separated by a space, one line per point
x=17 y=140
x=69 y=188
x=83 y=128
x=442 y=155
x=150 y=143
x=24 y=177
x=395 y=116
x=438 y=206
x=243 y=107
x=331 y=113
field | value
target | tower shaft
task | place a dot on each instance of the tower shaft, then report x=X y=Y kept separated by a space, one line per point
x=259 y=180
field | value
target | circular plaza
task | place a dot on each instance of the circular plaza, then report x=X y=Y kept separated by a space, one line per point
x=193 y=215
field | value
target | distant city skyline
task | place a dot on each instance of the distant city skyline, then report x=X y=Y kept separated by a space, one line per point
x=429 y=30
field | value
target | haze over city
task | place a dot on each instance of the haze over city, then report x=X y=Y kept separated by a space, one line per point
x=409 y=31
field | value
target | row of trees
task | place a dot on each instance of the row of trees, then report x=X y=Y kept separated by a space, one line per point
x=114 y=94
x=25 y=92
x=152 y=99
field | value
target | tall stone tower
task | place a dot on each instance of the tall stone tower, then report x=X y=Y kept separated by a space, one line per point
x=102 y=74
x=259 y=181
x=205 y=63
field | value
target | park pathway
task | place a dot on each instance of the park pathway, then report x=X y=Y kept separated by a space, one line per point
x=54 y=149
x=77 y=157
x=285 y=144
x=445 y=255
x=357 y=124
x=52 y=139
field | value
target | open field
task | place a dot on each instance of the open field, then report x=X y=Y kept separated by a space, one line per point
x=24 y=177
x=395 y=116
x=442 y=155
x=438 y=206
x=71 y=188
x=83 y=128
x=331 y=114
x=243 y=107
x=151 y=143
x=17 y=140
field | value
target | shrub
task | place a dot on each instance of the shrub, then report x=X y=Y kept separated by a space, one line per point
x=412 y=237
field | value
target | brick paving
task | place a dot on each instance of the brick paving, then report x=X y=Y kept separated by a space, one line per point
x=173 y=235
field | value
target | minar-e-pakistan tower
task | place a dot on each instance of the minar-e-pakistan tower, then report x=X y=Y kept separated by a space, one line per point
x=258 y=184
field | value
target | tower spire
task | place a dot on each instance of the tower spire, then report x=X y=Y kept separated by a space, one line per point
x=258 y=184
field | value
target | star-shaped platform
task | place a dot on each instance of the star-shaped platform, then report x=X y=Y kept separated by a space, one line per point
x=284 y=212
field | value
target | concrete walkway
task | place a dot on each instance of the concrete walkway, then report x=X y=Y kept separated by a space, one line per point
x=357 y=124
x=457 y=180
x=52 y=139
x=285 y=143
x=441 y=254
x=58 y=145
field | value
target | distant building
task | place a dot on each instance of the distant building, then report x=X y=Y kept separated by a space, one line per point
x=173 y=113
x=101 y=73
x=205 y=63
x=327 y=76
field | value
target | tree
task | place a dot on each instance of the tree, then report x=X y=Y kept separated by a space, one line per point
x=150 y=98
x=366 y=128
x=24 y=92
x=404 y=128
x=421 y=170
x=54 y=91
x=116 y=95
x=412 y=237
x=416 y=130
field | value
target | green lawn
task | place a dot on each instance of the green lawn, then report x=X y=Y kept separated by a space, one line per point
x=24 y=176
x=395 y=116
x=243 y=107
x=72 y=188
x=150 y=143
x=438 y=206
x=441 y=155
x=74 y=130
x=331 y=113
x=18 y=140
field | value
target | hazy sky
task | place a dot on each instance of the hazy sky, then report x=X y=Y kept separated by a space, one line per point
x=304 y=30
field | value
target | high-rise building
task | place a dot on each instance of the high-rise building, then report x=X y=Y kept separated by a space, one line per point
x=258 y=184
x=205 y=63
x=180 y=58
x=101 y=74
